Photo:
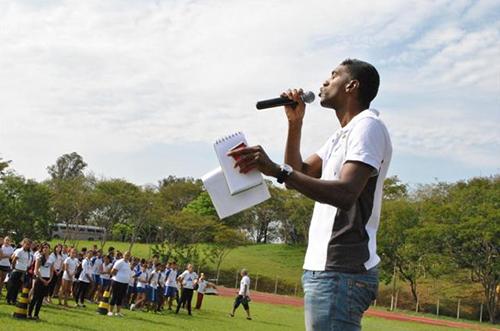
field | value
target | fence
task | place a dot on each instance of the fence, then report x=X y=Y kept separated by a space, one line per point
x=464 y=308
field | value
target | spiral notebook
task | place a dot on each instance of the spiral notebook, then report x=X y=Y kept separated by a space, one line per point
x=236 y=181
x=227 y=204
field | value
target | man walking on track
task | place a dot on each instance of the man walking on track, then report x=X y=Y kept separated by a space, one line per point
x=345 y=177
x=243 y=297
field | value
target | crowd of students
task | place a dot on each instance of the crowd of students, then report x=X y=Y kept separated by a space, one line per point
x=66 y=273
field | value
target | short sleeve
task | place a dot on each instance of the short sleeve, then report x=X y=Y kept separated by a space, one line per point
x=322 y=152
x=118 y=265
x=367 y=143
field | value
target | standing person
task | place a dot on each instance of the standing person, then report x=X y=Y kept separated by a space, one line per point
x=171 y=284
x=188 y=280
x=57 y=259
x=96 y=262
x=21 y=260
x=6 y=251
x=43 y=274
x=84 y=279
x=142 y=280
x=70 y=265
x=153 y=288
x=120 y=276
x=105 y=275
x=132 y=289
x=345 y=177
x=243 y=297
x=161 y=286
x=203 y=284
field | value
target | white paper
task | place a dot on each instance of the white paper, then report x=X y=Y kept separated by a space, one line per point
x=236 y=181
x=227 y=204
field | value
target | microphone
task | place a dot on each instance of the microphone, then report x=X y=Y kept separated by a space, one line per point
x=307 y=97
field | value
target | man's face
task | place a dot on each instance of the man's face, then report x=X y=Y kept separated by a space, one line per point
x=333 y=91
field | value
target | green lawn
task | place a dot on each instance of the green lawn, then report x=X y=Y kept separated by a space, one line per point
x=214 y=316
x=270 y=260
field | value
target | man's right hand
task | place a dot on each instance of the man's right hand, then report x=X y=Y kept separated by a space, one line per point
x=295 y=114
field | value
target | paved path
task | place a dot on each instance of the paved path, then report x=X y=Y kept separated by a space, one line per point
x=299 y=302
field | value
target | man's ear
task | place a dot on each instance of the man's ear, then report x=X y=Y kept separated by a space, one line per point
x=352 y=86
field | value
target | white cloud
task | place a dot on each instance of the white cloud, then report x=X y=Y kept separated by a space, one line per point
x=114 y=76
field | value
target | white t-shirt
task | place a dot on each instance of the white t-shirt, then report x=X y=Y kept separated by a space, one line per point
x=171 y=278
x=245 y=280
x=131 y=280
x=71 y=265
x=45 y=268
x=24 y=259
x=97 y=265
x=58 y=260
x=6 y=250
x=202 y=285
x=123 y=271
x=142 y=279
x=345 y=240
x=106 y=268
x=87 y=270
x=155 y=275
x=188 y=279
x=162 y=278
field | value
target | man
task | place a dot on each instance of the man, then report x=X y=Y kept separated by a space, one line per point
x=188 y=280
x=21 y=261
x=345 y=178
x=171 y=292
x=243 y=297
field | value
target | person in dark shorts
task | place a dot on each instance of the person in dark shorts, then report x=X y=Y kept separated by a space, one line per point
x=243 y=297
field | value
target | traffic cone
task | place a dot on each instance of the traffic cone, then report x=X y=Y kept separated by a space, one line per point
x=104 y=304
x=22 y=305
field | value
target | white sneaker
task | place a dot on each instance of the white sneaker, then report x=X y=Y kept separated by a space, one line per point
x=132 y=306
x=110 y=313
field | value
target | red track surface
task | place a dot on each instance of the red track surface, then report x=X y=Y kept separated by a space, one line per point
x=298 y=302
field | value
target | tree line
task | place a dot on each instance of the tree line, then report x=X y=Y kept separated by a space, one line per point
x=432 y=230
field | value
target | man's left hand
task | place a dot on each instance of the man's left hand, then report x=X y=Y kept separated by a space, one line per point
x=249 y=158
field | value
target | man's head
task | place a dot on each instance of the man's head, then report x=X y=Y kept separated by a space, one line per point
x=352 y=80
x=190 y=267
x=243 y=272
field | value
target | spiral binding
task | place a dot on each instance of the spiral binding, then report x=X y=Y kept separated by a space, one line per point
x=220 y=140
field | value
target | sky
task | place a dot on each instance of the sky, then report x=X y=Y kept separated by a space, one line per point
x=141 y=89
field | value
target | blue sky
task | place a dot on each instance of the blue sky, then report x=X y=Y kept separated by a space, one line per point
x=141 y=89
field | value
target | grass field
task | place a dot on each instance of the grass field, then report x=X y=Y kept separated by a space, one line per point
x=213 y=316
x=285 y=261
x=269 y=259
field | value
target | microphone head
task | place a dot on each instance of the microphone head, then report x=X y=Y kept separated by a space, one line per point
x=308 y=97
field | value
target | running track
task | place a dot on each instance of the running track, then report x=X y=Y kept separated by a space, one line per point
x=298 y=302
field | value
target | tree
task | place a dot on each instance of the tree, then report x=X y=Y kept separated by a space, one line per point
x=71 y=200
x=298 y=211
x=474 y=233
x=24 y=207
x=202 y=205
x=113 y=202
x=397 y=246
x=177 y=193
x=264 y=220
x=67 y=166
x=146 y=210
x=225 y=240
x=3 y=166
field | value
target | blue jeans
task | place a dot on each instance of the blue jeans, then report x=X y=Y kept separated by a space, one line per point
x=336 y=301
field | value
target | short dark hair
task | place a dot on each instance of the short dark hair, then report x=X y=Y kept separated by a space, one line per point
x=368 y=78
